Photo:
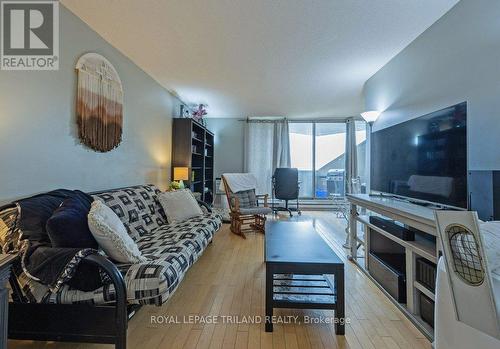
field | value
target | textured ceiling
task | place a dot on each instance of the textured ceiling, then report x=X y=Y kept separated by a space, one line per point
x=296 y=58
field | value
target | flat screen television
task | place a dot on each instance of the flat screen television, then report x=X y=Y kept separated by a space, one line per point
x=423 y=158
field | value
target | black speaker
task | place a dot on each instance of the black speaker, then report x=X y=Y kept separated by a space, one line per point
x=392 y=228
x=484 y=194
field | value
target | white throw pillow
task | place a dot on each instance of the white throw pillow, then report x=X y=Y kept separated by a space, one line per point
x=179 y=205
x=111 y=234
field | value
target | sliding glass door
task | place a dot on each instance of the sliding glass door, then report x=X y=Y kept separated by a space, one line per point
x=329 y=159
x=301 y=155
x=317 y=149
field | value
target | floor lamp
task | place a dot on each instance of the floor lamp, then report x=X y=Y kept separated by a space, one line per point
x=370 y=117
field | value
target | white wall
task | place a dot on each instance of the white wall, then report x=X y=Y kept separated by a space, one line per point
x=457 y=59
x=229 y=144
x=39 y=148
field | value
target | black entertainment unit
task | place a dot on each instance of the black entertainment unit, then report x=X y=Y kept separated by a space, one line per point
x=384 y=269
x=426 y=309
x=387 y=259
x=394 y=228
x=387 y=264
x=426 y=273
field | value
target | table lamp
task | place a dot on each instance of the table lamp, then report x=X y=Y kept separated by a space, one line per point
x=181 y=174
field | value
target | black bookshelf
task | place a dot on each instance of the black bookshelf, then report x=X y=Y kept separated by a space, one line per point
x=193 y=147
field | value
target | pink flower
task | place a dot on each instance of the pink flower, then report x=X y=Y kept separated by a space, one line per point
x=200 y=112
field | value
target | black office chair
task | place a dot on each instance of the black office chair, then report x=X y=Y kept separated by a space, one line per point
x=286 y=187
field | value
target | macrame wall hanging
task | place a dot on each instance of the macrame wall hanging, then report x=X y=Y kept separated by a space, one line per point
x=99 y=103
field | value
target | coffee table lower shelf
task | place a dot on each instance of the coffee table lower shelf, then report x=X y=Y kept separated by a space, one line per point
x=304 y=291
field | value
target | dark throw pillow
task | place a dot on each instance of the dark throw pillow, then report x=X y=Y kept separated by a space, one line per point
x=36 y=210
x=68 y=227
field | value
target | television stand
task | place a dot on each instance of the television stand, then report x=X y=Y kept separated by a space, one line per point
x=430 y=205
x=419 y=219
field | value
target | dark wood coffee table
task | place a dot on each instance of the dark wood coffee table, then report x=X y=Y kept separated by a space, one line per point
x=297 y=262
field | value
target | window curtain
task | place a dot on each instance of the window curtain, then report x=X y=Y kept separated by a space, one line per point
x=267 y=146
x=281 y=145
x=351 y=156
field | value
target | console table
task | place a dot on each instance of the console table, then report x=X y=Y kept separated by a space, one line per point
x=5 y=263
x=412 y=215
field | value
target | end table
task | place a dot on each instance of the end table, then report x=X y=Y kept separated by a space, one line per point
x=6 y=261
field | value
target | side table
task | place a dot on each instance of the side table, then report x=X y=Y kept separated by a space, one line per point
x=5 y=264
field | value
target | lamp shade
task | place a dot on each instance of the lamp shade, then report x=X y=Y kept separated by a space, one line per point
x=371 y=115
x=181 y=173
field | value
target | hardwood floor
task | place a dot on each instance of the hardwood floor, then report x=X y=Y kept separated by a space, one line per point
x=228 y=280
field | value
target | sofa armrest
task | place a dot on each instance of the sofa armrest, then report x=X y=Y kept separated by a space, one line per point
x=121 y=314
x=204 y=204
x=111 y=270
x=114 y=274
x=118 y=282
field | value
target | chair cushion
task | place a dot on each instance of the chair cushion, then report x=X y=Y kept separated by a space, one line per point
x=179 y=205
x=111 y=234
x=68 y=226
x=255 y=210
x=246 y=198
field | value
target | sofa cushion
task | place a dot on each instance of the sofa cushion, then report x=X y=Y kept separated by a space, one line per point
x=137 y=207
x=111 y=234
x=68 y=227
x=171 y=248
x=179 y=205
